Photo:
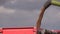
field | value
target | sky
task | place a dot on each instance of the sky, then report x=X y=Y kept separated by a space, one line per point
x=20 y=13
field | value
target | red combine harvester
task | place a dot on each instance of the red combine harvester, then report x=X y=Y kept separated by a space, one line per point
x=31 y=30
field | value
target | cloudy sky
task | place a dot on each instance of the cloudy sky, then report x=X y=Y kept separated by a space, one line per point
x=19 y=13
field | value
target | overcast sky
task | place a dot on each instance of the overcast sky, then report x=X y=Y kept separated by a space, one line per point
x=19 y=13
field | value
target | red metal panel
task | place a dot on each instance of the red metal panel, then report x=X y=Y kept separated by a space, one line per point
x=24 y=30
x=0 y=30
x=18 y=31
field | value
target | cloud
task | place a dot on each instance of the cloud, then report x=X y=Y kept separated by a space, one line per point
x=25 y=12
x=19 y=12
x=23 y=4
x=6 y=10
x=13 y=1
x=19 y=19
x=51 y=19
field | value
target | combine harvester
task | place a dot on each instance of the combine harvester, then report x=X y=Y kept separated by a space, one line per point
x=33 y=30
